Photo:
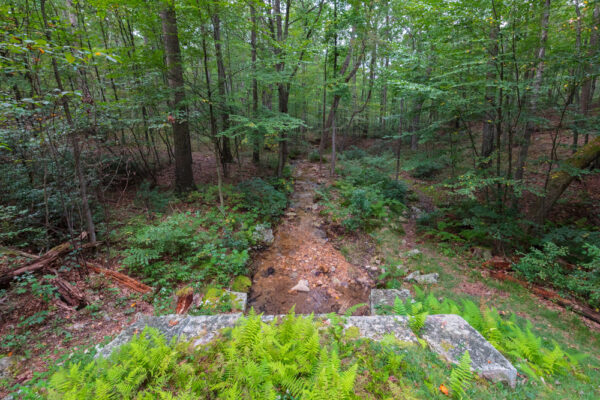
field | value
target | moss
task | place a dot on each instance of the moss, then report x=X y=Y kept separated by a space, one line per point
x=241 y=284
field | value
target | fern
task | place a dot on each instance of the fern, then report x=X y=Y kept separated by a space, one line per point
x=522 y=345
x=461 y=376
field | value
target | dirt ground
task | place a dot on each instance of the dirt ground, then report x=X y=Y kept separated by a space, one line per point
x=303 y=251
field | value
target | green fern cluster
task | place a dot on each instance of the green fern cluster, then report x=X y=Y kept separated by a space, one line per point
x=461 y=376
x=507 y=335
x=264 y=361
x=141 y=369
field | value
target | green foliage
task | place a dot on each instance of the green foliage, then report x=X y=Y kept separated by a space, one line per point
x=353 y=153
x=545 y=266
x=264 y=360
x=368 y=197
x=146 y=367
x=461 y=376
x=262 y=198
x=241 y=284
x=507 y=335
x=424 y=167
x=190 y=247
x=314 y=156
x=150 y=198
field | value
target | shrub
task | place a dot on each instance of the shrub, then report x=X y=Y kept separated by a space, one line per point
x=314 y=156
x=262 y=198
x=353 y=153
x=544 y=266
x=190 y=247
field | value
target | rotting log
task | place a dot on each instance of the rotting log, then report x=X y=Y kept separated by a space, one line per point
x=69 y=294
x=43 y=261
x=120 y=278
x=546 y=294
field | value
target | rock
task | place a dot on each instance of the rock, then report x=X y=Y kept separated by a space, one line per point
x=371 y=268
x=427 y=279
x=78 y=326
x=413 y=252
x=336 y=282
x=375 y=327
x=5 y=364
x=450 y=336
x=301 y=286
x=416 y=212
x=241 y=300
x=404 y=242
x=411 y=276
x=202 y=329
x=386 y=297
x=263 y=235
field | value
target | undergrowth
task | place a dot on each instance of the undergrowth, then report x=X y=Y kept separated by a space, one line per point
x=532 y=356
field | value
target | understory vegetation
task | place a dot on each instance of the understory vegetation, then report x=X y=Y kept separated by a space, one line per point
x=294 y=358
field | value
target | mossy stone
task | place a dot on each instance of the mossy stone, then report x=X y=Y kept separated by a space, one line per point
x=241 y=284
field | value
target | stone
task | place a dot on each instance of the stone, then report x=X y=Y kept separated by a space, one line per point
x=5 y=364
x=301 y=286
x=375 y=327
x=263 y=235
x=447 y=335
x=201 y=329
x=413 y=252
x=336 y=282
x=416 y=212
x=386 y=297
x=411 y=276
x=450 y=336
x=241 y=300
x=427 y=279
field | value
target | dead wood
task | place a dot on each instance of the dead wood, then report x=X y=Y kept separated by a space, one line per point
x=43 y=261
x=71 y=295
x=119 y=278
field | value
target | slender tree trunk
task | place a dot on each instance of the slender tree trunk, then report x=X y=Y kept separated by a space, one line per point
x=73 y=136
x=226 y=156
x=588 y=83
x=537 y=84
x=184 y=177
x=213 y=121
x=257 y=139
x=487 y=140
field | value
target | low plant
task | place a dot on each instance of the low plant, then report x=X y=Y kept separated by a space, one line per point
x=546 y=265
x=507 y=335
x=260 y=197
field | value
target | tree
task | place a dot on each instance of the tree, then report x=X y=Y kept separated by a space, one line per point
x=184 y=178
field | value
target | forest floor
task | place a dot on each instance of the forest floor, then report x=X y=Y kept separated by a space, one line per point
x=339 y=270
x=302 y=251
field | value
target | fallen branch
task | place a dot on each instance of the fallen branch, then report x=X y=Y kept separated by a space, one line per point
x=43 y=261
x=120 y=278
x=577 y=308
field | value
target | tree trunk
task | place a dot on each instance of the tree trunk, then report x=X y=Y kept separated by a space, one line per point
x=537 y=84
x=587 y=85
x=184 y=177
x=256 y=141
x=226 y=156
x=561 y=179
x=487 y=140
x=73 y=135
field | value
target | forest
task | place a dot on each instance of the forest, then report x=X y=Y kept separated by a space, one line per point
x=160 y=157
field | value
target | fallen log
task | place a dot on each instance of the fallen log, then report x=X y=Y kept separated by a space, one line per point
x=546 y=294
x=120 y=278
x=69 y=294
x=43 y=261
